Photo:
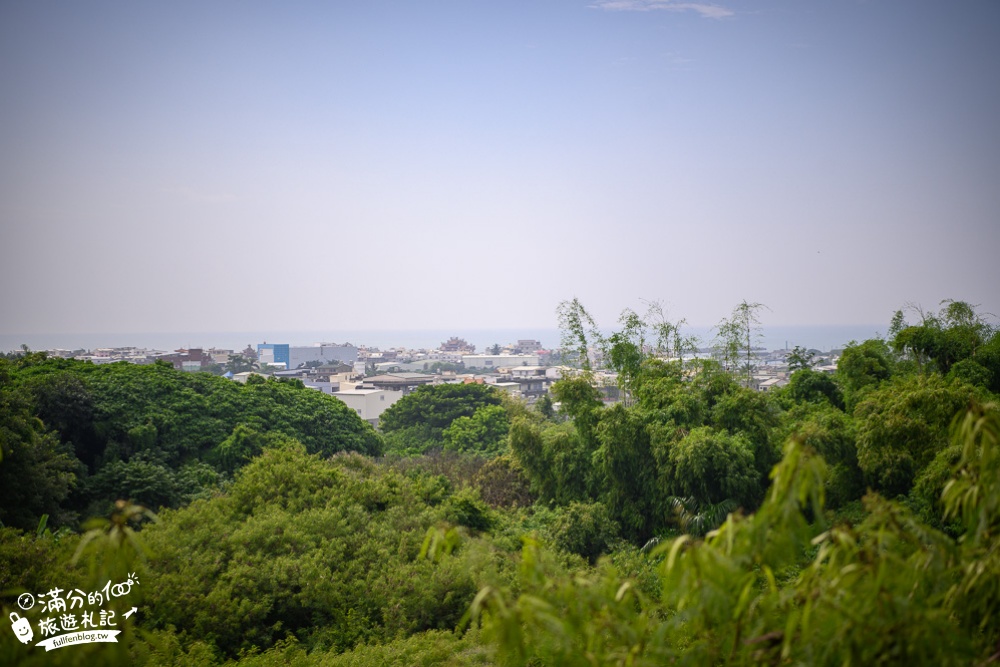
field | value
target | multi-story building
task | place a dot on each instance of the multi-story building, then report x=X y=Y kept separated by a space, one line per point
x=294 y=356
x=368 y=403
x=455 y=344
x=527 y=346
x=532 y=380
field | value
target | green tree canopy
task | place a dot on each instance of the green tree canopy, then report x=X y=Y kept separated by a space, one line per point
x=780 y=587
x=954 y=334
x=832 y=434
x=712 y=466
x=807 y=385
x=141 y=430
x=485 y=432
x=800 y=359
x=626 y=470
x=863 y=366
x=556 y=460
x=37 y=471
x=438 y=406
x=901 y=426
x=328 y=550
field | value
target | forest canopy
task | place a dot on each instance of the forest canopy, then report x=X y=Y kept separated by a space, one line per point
x=87 y=435
x=849 y=517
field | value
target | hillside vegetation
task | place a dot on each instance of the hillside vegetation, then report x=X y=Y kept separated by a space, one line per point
x=850 y=518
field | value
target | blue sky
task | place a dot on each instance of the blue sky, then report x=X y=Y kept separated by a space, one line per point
x=367 y=165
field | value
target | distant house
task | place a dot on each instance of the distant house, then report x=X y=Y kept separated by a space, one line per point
x=401 y=366
x=512 y=388
x=325 y=386
x=192 y=360
x=219 y=356
x=335 y=372
x=404 y=382
x=532 y=381
x=368 y=403
x=771 y=384
x=527 y=346
x=494 y=361
x=299 y=373
x=459 y=345
x=242 y=377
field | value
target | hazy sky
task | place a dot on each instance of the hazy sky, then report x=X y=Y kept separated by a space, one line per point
x=369 y=164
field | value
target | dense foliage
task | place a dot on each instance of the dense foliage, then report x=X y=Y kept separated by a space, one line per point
x=328 y=551
x=426 y=419
x=780 y=587
x=78 y=436
x=849 y=518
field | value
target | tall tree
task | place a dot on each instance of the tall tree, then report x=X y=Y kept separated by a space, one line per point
x=578 y=331
x=485 y=432
x=643 y=338
x=800 y=359
x=739 y=333
x=669 y=341
x=626 y=350
x=416 y=422
x=863 y=366
x=955 y=334
x=37 y=471
x=239 y=363
x=902 y=425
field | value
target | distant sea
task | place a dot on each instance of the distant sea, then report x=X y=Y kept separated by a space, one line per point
x=821 y=338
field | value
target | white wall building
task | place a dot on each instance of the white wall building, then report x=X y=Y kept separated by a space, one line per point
x=327 y=387
x=368 y=403
x=499 y=360
x=512 y=388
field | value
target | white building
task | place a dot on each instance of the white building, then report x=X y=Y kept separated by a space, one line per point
x=512 y=388
x=499 y=360
x=326 y=386
x=220 y=357
x=368 y=403
x=242 y=377
x=771 y=384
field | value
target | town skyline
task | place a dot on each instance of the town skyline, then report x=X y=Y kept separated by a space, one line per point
x=774 y=337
